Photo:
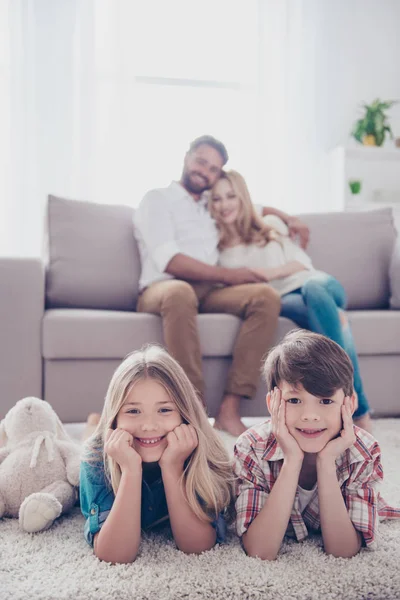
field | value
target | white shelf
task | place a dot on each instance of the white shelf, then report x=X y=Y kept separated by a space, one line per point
x=378 y=169
x=372 y=153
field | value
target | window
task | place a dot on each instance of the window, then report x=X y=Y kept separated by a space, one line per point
x=167 y=72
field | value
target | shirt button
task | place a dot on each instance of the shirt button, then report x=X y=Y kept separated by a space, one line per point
x=150 y=508
x=93 y=511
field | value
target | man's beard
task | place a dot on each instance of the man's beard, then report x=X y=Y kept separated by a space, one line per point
x=194 y=187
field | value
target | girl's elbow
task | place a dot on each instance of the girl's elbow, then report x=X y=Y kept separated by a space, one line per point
x=119 y=560
x=196 y=548
x=116 y=558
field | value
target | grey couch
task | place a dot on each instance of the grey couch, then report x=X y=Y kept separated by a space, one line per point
x=66 y=322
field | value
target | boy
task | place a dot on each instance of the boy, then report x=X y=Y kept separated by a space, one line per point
x=308 y=466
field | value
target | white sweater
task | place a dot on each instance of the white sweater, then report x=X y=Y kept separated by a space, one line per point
x=273 y=254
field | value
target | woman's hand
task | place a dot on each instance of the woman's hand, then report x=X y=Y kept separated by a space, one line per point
x=286 y=441
x=345 y=440
x=118 y=445
x=181 y=443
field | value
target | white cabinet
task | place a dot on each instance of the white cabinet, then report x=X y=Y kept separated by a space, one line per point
x=378 y=169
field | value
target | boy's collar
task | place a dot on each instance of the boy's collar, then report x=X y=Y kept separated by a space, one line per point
x=360 y=450
x=272 y=451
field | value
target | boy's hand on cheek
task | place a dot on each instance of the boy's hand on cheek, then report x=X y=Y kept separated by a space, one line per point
x=181 y=443
x=346 y=439
x=289 y=445
x=119 y=446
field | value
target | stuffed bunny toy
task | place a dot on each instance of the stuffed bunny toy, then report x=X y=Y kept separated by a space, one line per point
x=39 y=465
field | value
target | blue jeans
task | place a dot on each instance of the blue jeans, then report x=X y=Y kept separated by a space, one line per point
x=316 y=306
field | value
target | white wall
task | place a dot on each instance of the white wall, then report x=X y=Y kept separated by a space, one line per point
x=358 y=60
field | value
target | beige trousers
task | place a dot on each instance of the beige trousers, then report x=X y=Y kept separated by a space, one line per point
x=179 y=302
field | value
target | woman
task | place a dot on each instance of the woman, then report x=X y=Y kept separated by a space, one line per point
x=312 y=299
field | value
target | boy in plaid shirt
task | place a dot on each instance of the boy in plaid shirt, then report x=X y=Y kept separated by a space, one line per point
x=308 y=467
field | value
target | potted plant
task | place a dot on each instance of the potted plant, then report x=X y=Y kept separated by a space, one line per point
x=371 y=129
x=355 y=186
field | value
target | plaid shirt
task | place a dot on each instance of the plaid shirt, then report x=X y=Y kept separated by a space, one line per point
x=258 y=462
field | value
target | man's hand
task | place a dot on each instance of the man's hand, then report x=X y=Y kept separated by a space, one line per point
x=242 y=275
x=300 y=229
x=345 y=440
x=279 y=272
x=265 y=274
x=290 y=447
x=118 y=445
x=181 y=443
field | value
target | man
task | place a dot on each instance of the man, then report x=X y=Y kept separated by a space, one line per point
x=178 y=243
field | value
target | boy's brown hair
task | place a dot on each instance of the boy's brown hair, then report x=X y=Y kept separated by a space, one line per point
x=320 y=365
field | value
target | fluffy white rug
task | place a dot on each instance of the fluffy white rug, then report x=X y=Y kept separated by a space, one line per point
x=58 y=564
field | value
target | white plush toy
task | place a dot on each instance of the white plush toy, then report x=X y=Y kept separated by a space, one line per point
x=39 y=465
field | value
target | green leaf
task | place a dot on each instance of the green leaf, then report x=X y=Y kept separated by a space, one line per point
x=374 y=122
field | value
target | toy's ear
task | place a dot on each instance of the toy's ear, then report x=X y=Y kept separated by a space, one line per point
x=61 y=433
x=3 y=435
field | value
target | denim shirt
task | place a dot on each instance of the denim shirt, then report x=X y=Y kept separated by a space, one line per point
x=97 y=498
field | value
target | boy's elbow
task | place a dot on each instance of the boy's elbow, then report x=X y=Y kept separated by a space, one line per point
x=347 y=553
x=254 y=551
x=262 y=555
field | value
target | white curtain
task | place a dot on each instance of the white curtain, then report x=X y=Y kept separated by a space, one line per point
x=100 y=99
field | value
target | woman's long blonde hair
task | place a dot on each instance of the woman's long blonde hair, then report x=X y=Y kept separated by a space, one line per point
x=250 y=226
x=207 y=478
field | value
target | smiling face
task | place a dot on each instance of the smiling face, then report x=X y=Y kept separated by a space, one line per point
x=202 y=167
x=226 y=204
x=311 y=420
x=148 y=414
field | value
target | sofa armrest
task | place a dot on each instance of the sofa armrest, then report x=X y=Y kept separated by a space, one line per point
x=22 y=284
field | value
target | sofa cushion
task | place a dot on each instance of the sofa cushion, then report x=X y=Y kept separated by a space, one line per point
x=86 y=334
x=374 y=331
x=93 y=259
x=356 y=248
x=99 y=334
x=394 y=274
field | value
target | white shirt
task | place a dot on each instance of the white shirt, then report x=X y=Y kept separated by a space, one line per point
x=304 y=497
x=167 y=222
x=273 y=254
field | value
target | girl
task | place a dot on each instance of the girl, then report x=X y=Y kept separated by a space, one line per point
x=312 y=299
x=153 y=457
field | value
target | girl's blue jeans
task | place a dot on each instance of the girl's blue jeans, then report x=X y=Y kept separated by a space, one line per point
x=317 y=306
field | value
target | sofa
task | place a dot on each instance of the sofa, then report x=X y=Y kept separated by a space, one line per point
x=68 y=319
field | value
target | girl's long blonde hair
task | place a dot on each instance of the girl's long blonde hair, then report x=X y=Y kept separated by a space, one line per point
x=250 y=226
x=207 y=478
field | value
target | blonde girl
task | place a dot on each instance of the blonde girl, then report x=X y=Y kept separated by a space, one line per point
x=153 y=458
x=312 y=299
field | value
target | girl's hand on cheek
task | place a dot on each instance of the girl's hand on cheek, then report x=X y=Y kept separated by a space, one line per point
x=119 y=446
x=181 y=443
x=289 y=445
x=346 y=439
